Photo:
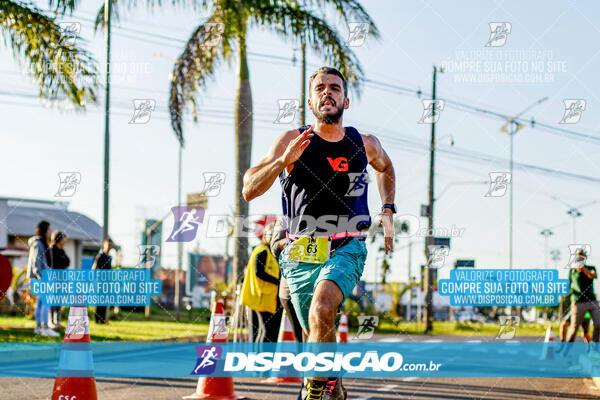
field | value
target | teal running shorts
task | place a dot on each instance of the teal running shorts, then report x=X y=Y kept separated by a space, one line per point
x=344 y=267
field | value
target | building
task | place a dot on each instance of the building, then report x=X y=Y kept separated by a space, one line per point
x=19 y=218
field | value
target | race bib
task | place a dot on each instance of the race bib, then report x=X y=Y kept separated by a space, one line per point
x=309 y=249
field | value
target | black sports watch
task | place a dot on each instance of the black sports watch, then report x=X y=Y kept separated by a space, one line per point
x=391 y=206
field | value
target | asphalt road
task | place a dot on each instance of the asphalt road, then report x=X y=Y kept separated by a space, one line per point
x=358 y=389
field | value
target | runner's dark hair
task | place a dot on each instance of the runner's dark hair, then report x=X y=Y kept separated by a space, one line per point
x=331 y=71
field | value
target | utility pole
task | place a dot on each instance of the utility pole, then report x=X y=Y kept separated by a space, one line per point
x=428 y=314
x=107 y=16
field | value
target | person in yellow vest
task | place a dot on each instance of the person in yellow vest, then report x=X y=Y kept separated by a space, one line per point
x=260 y=290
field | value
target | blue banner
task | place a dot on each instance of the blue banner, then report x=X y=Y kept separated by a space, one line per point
x=366 y=359
x=504 y=287
x=99 y=287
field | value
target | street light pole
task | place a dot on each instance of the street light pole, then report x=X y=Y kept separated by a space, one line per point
x=574 y=213
x=147 y=252
x=107 y=15
x=512 y=126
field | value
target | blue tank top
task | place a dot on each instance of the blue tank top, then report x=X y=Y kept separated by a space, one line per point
x=325 y=194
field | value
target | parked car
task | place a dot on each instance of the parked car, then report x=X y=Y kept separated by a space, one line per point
x=469 y=316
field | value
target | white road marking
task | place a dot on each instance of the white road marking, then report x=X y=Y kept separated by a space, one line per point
x=411 y=378
x=387 y=388
x=391 y=339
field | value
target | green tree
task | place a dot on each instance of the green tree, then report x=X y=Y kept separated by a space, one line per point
x=230 y=20
x=61 y=68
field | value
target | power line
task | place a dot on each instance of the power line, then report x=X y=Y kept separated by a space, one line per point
x=396 y=140
x=385 y=86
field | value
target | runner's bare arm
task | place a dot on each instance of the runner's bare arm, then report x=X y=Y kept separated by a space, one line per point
x=286 y=150
x=384 y=170
x=386 y=183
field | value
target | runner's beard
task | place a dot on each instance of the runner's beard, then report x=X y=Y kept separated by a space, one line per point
x=329 y=118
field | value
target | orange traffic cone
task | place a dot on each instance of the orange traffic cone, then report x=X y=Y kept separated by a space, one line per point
x=75 y=375
x=343 y=329
x=209 y=387
x=286 y=335
x=548 y=350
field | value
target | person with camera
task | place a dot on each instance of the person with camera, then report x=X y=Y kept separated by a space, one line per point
x=583 y=298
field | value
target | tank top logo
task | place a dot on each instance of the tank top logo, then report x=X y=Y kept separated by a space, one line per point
x=338 y=164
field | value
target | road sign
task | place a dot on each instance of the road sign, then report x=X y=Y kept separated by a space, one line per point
x=438 y=241
x=464 y=264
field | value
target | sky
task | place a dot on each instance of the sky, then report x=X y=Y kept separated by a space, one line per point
x=546 y=54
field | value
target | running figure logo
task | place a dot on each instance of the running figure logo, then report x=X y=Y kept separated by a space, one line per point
x=187 y=221
x=68 y=183
x=499 y=182
x=69 y=32
x=213 y=181
x=508 y=324
x=148 y=255
x=573 y=248
x=358 y=183
x=358 y=34
x=499 y=33
x=437 y=255
x=207 y=356
x=219 y=327
x=211 y=33
x=287 y=111
x=76 y=327
x=573 y=111
x=366 y=326
x=142 y=110
x=431 y=111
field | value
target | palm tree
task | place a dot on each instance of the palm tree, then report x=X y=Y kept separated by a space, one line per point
x=231 y=20
x=61 y=68
x=396 y=291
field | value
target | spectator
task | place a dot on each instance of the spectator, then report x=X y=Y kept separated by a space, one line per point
x=60 y=260
x=259 y=290
x=585 y=327
x=40 y=259
x=103 y=261
x=583 y=298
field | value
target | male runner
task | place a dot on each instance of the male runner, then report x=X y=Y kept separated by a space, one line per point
x=326 y=227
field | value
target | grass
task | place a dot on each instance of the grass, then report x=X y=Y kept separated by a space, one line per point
x=462 y=329
x=131 y=326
